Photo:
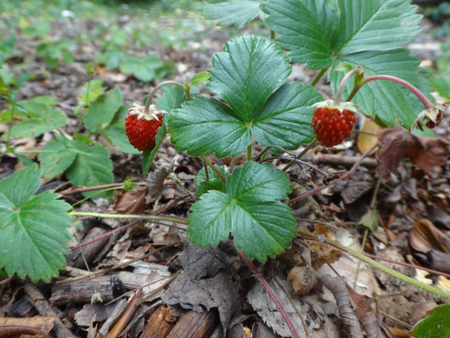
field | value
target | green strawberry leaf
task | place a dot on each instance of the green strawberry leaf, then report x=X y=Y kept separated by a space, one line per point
x=143 y=69
x=246 y=73
x=101 y=112
x=92 y=165
x=315 y=31
x=199 y=78
x=172 y=99
x=436 y=325
x=56 y=157
x=214 y=183
x=237 y=12
x=33 y=235
x=41 y=119
x=389 y=101
x=250 y=209
x=247 y=76
x=91 y=91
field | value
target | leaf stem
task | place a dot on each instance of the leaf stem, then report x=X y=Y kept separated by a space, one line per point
x=319 y=76
x=383 y=268
x=217 y=171
x=232 y=164
x=299 y=156
x=272 y=35
x=117 y=216
x=337 y=100
x=271 y=294
x=249 y=152
x=425 y=101
x=162 y=84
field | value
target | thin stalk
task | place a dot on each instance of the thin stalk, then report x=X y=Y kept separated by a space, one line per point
x=96 y=193
x=337 y=100
x=217 y=171
x=299 y=156
x=272 y=35
x=153 y=92
x=425 y=101
x=319 y=76
x=206 y=171
x=383 y=268
x=249 y=152
x=232 y=164
x=116 y=216
x=271 y=294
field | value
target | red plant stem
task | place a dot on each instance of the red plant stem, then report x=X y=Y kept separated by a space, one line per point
x=425 y=101
x=413 y=266
x=343 y=177
x=153 y=92
x=6 y=280
x=271 y=294
x=105 y=235
x=337 y=100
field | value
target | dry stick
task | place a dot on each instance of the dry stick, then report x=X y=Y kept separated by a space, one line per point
x=6 y=280
x=126 y=315
x=271 y=294
x=299 y=156
x=127 y=216
x=347 y=175
x=74 y=190
x=338 y=286
x=45 y=309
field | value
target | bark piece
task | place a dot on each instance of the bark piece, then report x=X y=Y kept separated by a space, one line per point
x=118 y=310
x=260 y=330
x=89 y=251
x=195 y=325
x=11 y=327
x=160 y=323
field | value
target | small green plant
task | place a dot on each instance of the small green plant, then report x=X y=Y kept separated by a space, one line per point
x=52 y=52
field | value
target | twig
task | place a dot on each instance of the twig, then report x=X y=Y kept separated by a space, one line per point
x=346 y=161
x=6 y=280
x=299 y=156
x=338 y=286
x=345 y=176
x=75 y=190
x=126 y=315
x=271 y=294
x=124 y=216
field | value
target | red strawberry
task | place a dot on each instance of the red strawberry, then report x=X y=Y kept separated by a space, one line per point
x=141 y=128
x=333 y=124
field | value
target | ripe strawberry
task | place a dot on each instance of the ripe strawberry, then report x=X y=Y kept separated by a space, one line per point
x=332 y=124
x=141 y=128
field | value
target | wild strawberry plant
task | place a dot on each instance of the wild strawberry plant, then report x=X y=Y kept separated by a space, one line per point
x=348 y=39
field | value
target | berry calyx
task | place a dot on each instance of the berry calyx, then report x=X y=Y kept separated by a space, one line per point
x=141 y=127
x=332 y=123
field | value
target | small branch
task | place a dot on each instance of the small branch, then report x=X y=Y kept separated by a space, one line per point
x=271 y=294
x=347 y=175
x=338 y=286
x=425 y=101
x=213 y=167
x=299 y=156
x=153 y=92
x=346 y=161
x=127 y=314
x=117 y=216
x=319 y=76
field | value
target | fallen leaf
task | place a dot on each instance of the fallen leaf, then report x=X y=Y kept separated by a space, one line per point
x=397 y=144
x=367 y=141
x=303 y=279
x=131 y=202
x=322 y=253
x=155 y=180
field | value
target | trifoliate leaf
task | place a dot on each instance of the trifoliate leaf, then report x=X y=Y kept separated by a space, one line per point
x=237 y=12
x=142 y=68
x=33 y=235
x=202 y=185
x=92 y=165
x=102 y=111
x=246 y=75
x=250 y=209
x=41 y=119
x=316 y=31
x=56 y=157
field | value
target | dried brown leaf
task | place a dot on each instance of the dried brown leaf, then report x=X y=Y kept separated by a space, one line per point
x=131 y=202
x=397 y=144
x=322 y=253
x=155 y=180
